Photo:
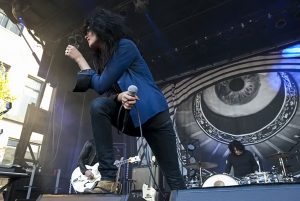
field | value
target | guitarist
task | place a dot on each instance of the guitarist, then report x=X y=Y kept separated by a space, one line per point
x=89 y=157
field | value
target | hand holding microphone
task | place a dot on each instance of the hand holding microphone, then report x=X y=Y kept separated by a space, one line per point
x=72 y=52
x=129 y=97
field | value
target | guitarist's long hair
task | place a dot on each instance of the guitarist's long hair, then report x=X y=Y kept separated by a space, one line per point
x=109 y=28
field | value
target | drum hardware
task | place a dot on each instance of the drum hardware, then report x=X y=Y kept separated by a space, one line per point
x=201 y=179
x=297 y=155
x=194 y=183
x=266 y=177
x=282 y=165
x=201 y=166
x=261 y=178
x=257 y=162
x=289 y=179
x=280 y=156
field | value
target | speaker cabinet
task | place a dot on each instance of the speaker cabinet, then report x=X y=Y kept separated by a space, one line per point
x=262 y=192
x=83 y=197
x=141 y=175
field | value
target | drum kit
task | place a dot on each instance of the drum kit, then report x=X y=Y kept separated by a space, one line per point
x=205 y=178
x=197 y=179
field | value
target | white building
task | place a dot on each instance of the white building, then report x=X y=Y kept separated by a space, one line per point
x=24 y=84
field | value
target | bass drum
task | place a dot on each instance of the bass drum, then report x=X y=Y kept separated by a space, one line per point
x=220 y=180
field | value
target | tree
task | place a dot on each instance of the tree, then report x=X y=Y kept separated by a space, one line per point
x=5 y=93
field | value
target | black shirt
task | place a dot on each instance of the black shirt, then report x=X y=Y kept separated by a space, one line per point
x=87 y=156
x=242 y=165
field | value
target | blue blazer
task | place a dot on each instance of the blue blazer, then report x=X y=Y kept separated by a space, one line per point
x=127 y=67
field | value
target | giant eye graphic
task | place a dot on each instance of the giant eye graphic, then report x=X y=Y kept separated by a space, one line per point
x=247 y=108
x=259 y=109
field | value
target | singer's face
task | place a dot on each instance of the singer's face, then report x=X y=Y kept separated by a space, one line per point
x=91 y=38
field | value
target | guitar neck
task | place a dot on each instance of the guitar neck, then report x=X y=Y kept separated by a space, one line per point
x=122 y=162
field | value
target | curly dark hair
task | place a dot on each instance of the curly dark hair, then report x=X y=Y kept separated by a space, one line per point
x=237 y=144
x=109 y=28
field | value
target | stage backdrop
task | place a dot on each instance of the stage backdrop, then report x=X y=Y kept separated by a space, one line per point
x=254 y=100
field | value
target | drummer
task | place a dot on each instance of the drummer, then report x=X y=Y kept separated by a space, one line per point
x=241 y=160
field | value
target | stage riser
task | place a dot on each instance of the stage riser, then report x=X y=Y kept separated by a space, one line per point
x=83 y=197
x=90 y=197
x=280 y=192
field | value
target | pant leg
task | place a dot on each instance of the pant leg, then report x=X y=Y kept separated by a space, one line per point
x=103 y=111
x=161 y=137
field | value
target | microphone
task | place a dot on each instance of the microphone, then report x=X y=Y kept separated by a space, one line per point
x=132 y=91
x=75 y=40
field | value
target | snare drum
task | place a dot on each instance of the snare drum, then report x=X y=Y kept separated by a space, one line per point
x=220 y=180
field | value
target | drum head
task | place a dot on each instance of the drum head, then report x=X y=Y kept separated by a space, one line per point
x=220 y=180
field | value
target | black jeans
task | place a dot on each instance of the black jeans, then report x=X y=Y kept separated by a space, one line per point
x=158 y=131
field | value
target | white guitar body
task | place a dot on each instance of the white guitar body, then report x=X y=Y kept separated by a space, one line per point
x=149 y=193
x=81 y=182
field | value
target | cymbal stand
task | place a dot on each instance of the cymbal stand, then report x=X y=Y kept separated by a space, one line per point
x=201 y=180
x=207 y=171
x=297 y=156
x=258 y=163
x=282 y=165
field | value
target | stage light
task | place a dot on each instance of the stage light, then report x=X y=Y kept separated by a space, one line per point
x=141 y=6
x=269 y=15
x=292 y=51
x=8 y=106
x=192 y=160
x=191 y=147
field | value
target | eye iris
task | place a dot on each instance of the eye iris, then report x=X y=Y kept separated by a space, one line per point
x=238 y=91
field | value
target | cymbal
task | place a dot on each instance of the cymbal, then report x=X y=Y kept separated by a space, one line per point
x=206 y=165
x=278 y=155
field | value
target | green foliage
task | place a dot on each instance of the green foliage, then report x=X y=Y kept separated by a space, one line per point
x=5 y=93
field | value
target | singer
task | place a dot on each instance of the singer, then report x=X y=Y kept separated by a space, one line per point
x=119 y=65
x=240 y=159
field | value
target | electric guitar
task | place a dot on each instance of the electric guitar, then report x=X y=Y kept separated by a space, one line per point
x=149 y=193
x=81 y=183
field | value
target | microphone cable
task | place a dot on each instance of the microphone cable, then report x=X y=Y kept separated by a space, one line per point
x=146 y=152
x=118 y=119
